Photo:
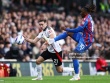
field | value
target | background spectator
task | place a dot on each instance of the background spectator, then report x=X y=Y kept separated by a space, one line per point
x=21 y=16
x=101 y=65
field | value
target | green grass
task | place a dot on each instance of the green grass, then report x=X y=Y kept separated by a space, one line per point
x=57 y=79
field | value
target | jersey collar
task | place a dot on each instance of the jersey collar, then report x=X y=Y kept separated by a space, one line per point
x=86 y=16
x=46 y=28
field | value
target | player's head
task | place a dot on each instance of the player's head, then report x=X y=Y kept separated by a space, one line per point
x=42 y=23
x=87 y=10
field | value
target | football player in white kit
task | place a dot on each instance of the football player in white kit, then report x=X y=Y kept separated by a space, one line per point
x=51 y=50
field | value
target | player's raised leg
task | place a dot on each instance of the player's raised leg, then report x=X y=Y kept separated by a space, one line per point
x=59 y=37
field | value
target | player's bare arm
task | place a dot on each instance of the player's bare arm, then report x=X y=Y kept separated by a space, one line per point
x=31 y=40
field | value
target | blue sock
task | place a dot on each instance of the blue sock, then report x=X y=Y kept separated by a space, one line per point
x=61 y=36
x=76 y=66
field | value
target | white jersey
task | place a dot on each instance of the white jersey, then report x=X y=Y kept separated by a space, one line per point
x=47 y=32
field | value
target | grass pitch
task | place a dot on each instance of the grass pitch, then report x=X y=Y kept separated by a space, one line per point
x=57 y=79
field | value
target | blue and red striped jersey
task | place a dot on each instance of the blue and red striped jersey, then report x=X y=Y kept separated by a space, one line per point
x=87 y=28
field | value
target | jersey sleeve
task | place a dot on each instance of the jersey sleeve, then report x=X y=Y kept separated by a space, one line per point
x=40 y=35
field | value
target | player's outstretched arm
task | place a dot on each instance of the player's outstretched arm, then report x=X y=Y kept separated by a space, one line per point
x=78 y=29
x=31 y=40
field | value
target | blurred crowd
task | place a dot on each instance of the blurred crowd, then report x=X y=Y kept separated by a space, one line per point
x=21 y=17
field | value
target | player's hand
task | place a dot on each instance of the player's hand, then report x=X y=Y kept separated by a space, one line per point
x=46 y=43
x=25 y=37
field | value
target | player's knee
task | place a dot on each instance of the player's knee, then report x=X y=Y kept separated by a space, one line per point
x=38 y=62
x=59 y=70
x=70 y=34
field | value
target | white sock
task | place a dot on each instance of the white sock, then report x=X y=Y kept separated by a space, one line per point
x=67 y=69
x=77 y=75
x=39 y=70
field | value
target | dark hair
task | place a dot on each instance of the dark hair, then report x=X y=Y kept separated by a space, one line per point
x=42 y=20
x=90 y=8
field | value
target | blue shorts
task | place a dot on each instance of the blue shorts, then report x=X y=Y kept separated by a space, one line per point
x=81 y=46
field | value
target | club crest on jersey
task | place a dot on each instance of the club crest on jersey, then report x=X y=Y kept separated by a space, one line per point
x=50 y=31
